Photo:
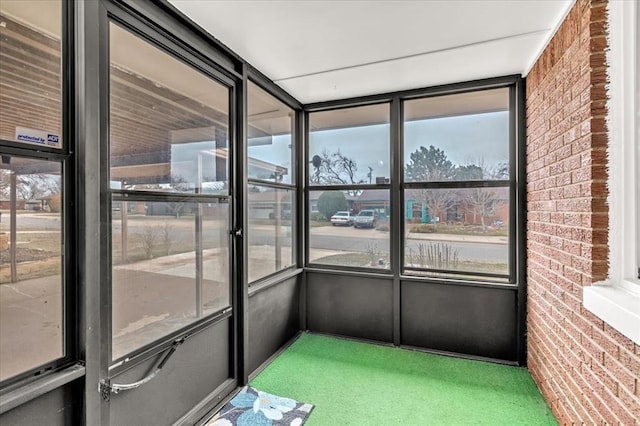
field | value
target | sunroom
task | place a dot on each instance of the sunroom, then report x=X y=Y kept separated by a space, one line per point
x=313 y=198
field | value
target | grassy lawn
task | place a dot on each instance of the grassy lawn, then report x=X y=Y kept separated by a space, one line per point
x=32 y=269
x=359 y=259
x=470 y=267
x=443 y=228
x=150 y=245
x=37 y=255
x=271 y=222
x=318 y=223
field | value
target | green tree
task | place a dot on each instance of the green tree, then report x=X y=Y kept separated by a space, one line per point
x=469 y=172
x=330 y=202
x=429 y=165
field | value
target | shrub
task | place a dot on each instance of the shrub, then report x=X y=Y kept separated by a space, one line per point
x=317 y=217
x=424 y=228
x=383 y=225
x=149 y=240
x=434 y=256
x=331 y=202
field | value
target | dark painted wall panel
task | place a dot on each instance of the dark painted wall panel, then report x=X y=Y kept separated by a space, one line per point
x=464 y=319
x=273 y=319
x=200 y=365
x=62 y=406
x=352 y=306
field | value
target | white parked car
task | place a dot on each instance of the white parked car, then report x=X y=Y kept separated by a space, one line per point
x=342 y=218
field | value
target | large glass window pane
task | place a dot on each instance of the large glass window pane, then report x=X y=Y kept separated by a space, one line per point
x=31 y=259
x=168 y=122
x=270 y=231
x=349 y=146
x=349 y=228
x=30 y=72
x=457 y=137
x=166 y=273
x=270 y=147
x=463 y=231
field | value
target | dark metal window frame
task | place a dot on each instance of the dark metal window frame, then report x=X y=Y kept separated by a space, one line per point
x=308 y=187
x=262 y=82
x=127 y=16
x=515 y=183
x=446 y=274
x=64 y=156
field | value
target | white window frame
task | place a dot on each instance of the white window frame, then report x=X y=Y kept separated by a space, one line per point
x=617 y=299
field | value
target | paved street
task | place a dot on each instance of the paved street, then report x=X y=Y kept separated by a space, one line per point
x=30 y=323
x=157 y=296
x=31 y=221
x=468 y=250
x=349 y=239
x=338 y=238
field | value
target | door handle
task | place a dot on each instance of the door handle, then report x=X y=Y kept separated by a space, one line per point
x=105 y=387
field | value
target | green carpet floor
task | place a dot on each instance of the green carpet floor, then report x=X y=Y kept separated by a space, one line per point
x=352 y=383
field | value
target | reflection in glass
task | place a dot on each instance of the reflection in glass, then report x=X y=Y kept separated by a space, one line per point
x=457 y=137
x=349 y=146
x=168 y=122
x=366 y=246
x=31 y=259
x=462 y=230
x=30 y=71
x=270 y=231
x=170 y=268
x=269 y=146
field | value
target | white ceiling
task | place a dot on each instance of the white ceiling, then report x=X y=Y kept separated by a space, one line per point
x=323 y=50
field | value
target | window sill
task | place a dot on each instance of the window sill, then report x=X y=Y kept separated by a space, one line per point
x=617 y=304
x=270 y=281
x=40 y=386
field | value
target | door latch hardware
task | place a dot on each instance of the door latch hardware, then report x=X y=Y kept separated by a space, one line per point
x=104 y=387
x=236 y=232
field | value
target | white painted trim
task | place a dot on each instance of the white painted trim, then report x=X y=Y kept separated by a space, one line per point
x=538 y=52
x=615 y=305
x=622 y=147
x=617 y=300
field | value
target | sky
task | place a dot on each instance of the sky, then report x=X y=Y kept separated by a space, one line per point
x=466 y=139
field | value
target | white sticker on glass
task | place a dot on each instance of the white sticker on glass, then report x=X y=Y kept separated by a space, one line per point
x=38 y=137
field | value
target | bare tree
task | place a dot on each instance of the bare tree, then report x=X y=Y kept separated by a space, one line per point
x=178 y=183
x=437 y=201
x=149 y=240
x=33 y=187
x=482 y=200
x=167 y=236
x=5 y=182
x=431 y=165
x=335 y=168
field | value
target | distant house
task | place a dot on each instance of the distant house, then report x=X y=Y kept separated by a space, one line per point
x=6 y=204
x=264 y=204
x=494 y=211
x=34 y=205
x=373 y=199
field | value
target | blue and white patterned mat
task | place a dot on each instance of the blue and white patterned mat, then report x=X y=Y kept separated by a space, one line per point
x=251 y=407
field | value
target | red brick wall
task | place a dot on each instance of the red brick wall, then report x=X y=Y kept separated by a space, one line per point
x=587 y=372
